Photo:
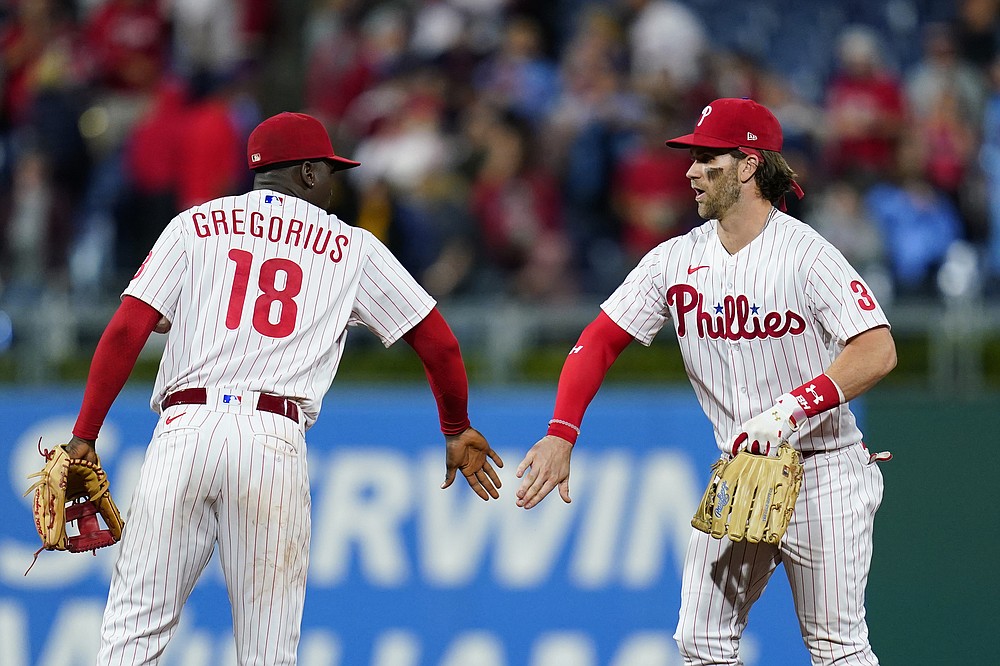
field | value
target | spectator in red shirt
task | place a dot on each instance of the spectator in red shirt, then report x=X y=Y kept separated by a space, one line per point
x=38 y=50
x=864 y=109
x=211 y=146
x=151 y=169
x=519 y=211
x=129 y=41
x=650 y=192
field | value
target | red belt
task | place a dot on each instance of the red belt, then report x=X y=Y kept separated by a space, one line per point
x=265 y=403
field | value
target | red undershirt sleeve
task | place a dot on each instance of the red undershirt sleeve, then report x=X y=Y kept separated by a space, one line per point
x=113 y=361
x=439 y=351
x=583 y=372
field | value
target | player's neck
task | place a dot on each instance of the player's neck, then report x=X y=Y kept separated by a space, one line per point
x=275 y=186
x=743 y=222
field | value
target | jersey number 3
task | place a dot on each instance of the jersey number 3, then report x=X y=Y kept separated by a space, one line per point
x=865 y=300
x=270 y=294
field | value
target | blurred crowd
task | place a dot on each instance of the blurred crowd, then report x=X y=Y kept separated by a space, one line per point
x=510 y=149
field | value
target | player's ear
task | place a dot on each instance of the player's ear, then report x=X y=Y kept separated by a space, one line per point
x=748 y=168
x=308 y=174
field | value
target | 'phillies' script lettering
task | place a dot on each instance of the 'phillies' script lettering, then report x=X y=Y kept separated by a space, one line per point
x=736 y=320
x=275 y=229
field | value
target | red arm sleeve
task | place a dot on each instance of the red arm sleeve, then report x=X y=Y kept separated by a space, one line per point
x=585 y=368
x=113 y=361
x=438 y=350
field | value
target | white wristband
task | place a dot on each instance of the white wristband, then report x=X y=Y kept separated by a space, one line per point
x=567 y=424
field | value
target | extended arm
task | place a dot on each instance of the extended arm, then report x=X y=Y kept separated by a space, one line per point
x=114 y=358
x=582 y=374
x=466 y=448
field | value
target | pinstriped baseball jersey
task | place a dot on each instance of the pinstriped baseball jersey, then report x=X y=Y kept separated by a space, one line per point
x=260 y=289
x=755 y=324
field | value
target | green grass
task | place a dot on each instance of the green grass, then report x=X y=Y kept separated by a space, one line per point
x=365 y=360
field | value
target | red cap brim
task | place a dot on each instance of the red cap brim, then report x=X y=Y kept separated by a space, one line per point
x=343 y=162
x=702 y=141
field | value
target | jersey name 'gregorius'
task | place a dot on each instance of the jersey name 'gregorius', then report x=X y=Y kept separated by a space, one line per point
x=274 y=228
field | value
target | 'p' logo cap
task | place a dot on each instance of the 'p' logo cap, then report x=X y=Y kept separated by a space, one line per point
x=732 y=122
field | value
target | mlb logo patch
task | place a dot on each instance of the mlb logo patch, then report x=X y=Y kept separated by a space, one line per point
x=273 y=199
x=255 y=158
x=232 y=399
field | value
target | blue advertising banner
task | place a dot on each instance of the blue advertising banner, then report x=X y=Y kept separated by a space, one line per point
x=401 y=572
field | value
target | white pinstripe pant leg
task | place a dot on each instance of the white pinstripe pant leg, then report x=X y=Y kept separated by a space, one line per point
x=827 y=553
x=169 y=536
x=264 y=532
x=722 y=580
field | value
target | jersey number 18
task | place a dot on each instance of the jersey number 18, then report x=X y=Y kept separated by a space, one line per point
x=269 y=294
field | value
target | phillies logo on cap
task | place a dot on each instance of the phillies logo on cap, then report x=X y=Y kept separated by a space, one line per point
x=733 y=122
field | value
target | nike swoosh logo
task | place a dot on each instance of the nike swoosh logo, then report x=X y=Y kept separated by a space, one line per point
x=171 y=419
x=692 y=269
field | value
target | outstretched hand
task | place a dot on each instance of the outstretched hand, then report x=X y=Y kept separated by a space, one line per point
x=469 y=452
x=548 y=461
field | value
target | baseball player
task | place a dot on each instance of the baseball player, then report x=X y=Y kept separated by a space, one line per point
x=778 y=332
x=257 y=292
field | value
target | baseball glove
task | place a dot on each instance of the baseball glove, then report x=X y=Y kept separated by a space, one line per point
x=751 y=496
x=85 y=486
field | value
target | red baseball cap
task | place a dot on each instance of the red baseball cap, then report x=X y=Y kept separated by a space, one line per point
x=292 y=137
x=733 y=123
